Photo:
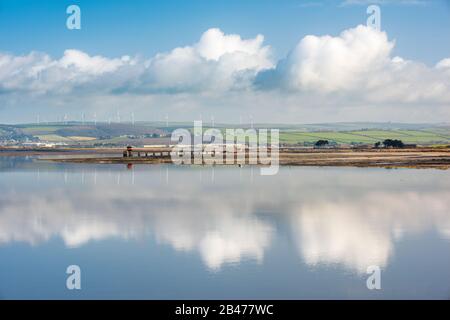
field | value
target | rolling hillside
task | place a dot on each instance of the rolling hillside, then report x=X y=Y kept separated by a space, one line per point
x=158 y=133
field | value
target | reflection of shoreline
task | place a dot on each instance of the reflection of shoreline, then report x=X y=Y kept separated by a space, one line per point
x=221 y=223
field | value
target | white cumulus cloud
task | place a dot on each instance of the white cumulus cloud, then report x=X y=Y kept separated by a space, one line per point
x=358 y=64
x=355 y=69
x=216 y=62
x=337 y=63
x=39 y=73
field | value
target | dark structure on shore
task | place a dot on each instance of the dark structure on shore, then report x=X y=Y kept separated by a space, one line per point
x=157 y=152
x=128 y=152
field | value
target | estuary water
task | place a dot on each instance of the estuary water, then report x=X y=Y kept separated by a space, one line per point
x=168 y=232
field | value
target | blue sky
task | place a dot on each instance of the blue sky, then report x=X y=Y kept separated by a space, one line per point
x=419 y=29
x=117 y=27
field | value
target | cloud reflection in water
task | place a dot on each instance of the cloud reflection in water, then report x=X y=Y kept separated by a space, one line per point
x=332 y=220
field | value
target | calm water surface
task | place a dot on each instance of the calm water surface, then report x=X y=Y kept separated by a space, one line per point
x=166 y=232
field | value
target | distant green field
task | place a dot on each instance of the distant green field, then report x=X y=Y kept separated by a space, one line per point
x=367 y=136
x=40 y=130
x=343 y=133
x=53 y=138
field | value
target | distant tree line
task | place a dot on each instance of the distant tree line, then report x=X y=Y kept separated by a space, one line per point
x=321 y=143
x=390 y=143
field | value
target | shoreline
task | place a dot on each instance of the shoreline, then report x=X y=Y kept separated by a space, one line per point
x=421 y=157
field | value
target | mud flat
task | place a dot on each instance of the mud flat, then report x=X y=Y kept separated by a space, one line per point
x=388 y=158
x=392 y=159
